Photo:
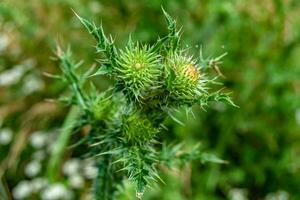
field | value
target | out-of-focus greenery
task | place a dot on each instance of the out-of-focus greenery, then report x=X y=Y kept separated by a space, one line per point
x=260 y=140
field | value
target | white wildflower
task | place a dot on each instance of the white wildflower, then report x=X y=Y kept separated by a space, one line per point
x=22 y=190
x=38 y=139
x=238 y=194
x=12 y=76
x=279 y=195
x=38 y=184
x=76 y=181
x=55 y=192
x=32 y=84
x=6 y=135
x=90 y=170
x=71 y=166
x=33 y=168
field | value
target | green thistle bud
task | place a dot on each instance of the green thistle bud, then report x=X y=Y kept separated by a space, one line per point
x=183 y=79
x=105 y=106
x=138 y=71
x=138 y=129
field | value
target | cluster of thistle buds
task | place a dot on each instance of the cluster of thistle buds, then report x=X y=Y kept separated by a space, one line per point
x=151 y=81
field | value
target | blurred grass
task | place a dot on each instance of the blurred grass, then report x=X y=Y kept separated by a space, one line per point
x=260 y=140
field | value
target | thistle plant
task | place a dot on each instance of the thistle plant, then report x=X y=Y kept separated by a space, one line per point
x=125 y=122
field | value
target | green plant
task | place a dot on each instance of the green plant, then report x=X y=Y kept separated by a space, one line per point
x=125 y=121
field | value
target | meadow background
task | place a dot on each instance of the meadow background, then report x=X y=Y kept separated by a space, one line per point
x=260 y=140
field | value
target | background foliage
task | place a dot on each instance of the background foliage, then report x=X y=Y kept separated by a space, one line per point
x=260 y=140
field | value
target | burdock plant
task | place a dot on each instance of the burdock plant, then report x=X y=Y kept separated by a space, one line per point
x=125 y=121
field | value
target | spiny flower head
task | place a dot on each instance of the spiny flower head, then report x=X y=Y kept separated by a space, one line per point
x=183 y=78
x=138 y=128
x=138 y=70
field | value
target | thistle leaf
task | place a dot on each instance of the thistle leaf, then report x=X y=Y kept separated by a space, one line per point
x=174 y=35
x=104 y=44
x=102 y=71
x=208 y=157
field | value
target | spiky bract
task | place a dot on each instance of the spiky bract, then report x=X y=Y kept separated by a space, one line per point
x=138 y=70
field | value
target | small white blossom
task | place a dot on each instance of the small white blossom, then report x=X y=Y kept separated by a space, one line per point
x=33 y=168
x=55 y=192
x=22 y=190
x=90 y=170
x=32 y=83
x=76 y=181
x=38 y=184
x=279 y=195
x=12 y=76
x=238 y=194
x=38 y=139
x=71 y=166
x=6 y=135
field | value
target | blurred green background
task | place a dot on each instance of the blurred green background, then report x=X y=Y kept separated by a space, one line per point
x=260 y=140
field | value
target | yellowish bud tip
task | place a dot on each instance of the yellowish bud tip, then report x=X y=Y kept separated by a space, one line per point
x=138 y=65
x=192 y=72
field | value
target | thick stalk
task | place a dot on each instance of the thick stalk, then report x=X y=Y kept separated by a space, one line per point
x=104 y=186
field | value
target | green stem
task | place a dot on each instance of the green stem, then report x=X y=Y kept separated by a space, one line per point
x=104 y=186
x=61 y=144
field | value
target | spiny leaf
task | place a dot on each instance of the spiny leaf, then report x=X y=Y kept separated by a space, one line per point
x=104 y=44
x=208 y=157
x=174 y=35
x=102 y=71
x=69 y=75
x=54 y=76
